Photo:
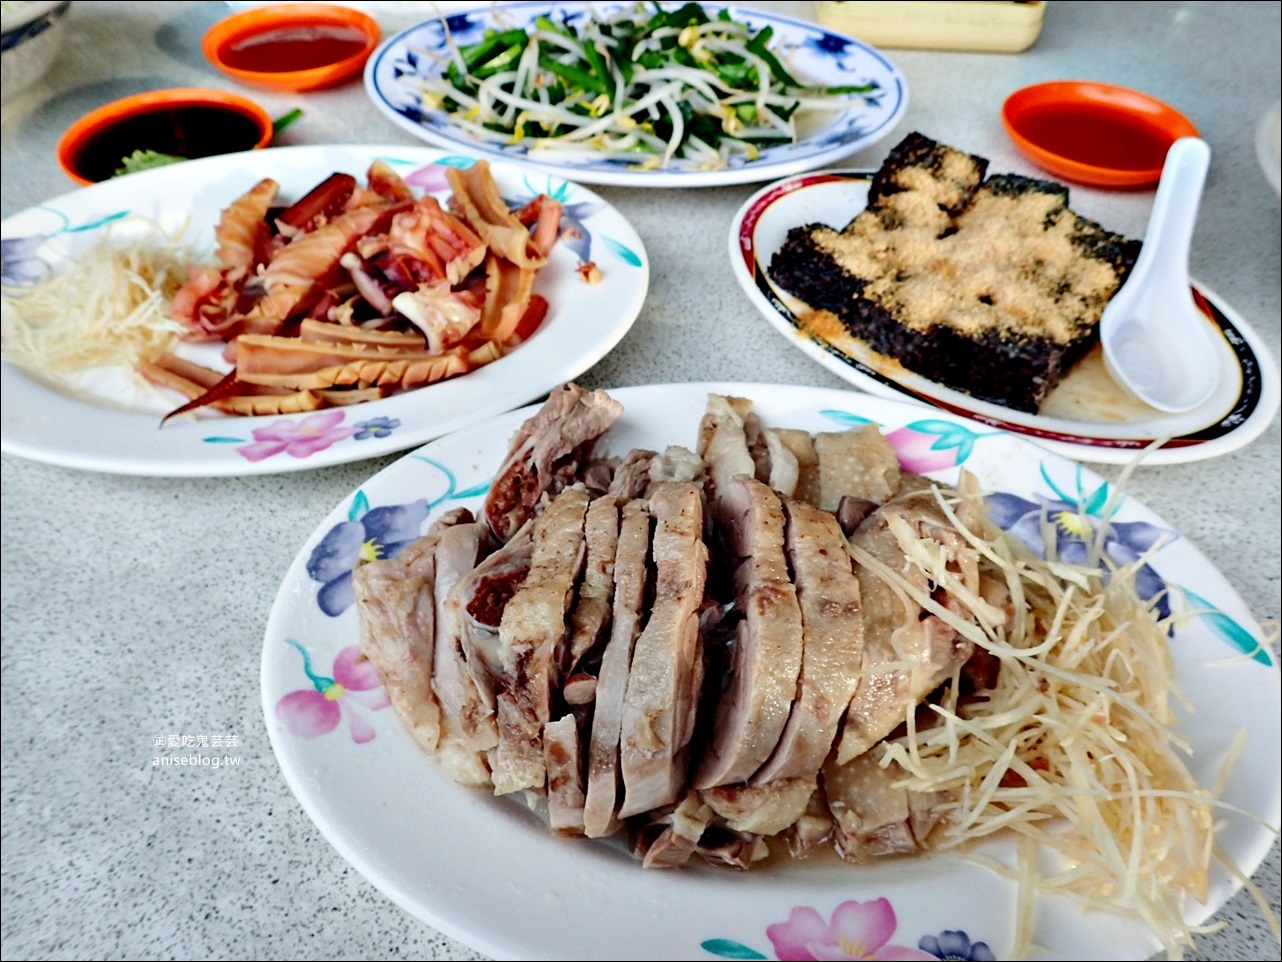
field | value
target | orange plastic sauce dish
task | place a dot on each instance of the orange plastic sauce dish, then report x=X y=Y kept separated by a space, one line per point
x=1093 y=133
x=292 y=47
x=187 y=122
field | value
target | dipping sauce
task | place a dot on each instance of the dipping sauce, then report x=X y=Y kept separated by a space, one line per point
x=292 y=46
x=288 y=48
x=189 y=132
x=183 y=122
x=1095 y=135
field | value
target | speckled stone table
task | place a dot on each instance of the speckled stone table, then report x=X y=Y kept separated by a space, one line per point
x=136 y=606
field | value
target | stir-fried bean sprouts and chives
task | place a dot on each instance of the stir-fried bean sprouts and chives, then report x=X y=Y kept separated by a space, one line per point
x=641 y=84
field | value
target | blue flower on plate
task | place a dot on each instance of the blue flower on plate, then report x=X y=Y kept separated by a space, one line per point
x=368 y=535
x=20 y=264
x=1077 y=529
x=460 y=23
x=574 y=234
x=379 y=427
x=829 y=44
x=956 y=945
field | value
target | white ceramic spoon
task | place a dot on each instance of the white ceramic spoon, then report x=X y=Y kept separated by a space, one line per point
x=1157 y=344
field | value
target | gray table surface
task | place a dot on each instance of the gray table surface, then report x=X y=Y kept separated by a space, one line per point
x=133 y=606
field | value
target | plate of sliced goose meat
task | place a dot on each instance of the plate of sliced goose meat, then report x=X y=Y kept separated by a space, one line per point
x=758 y=671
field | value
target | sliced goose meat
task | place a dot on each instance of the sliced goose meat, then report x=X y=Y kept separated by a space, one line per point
x=545 y=454
x=832 y=642
x=852 y=512
x=910 y=482
x=908 y=652
x=396 y=609
x=762 y=809
x=802 y=447
x=785 y=469
x=598 y=475
x=731 y=849
x=676 y=464
x=670 y=837
x=565 y=775
x=468 y=728
x=752 y=712
x=591 y=614
x=723 y=442
x=812 y=831
x=754 y=433
x=630 y=578
x=632 y=475
x=476 y=608
x=859 y=462
x=579 y=688
x=674 y=834
x=873 y=816
x=667 y=663
x=774 y=463
x=532 y=630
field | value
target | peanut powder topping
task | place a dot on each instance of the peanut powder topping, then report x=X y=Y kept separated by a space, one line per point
x=1008 y=264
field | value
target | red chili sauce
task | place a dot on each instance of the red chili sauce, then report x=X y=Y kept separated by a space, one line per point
x=300 y=47
x=1096 y=135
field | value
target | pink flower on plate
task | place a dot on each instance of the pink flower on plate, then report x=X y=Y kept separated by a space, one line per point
x=932 y=444
x=858 y=930
x=430 y=178
x=298 y=439
x=312 y=712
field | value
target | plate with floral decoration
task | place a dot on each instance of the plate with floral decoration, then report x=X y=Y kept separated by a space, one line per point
x=488 y=872
x=111 y=420
x=1087 y=416
x=813 y=54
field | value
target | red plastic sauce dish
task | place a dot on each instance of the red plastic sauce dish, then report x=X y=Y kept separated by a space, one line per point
x=1094 y=133
x=292 y=46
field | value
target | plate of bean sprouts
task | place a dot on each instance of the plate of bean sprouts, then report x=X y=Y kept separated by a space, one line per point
x=633 y=94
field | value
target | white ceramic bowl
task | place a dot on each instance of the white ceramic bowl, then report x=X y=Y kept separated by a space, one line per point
x=30 y=35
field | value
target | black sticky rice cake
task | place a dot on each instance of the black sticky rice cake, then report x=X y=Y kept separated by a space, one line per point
x=989 y=286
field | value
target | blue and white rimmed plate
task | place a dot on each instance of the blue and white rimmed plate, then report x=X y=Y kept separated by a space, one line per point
x=112 y=422
x=487 y=872
x=1088 y=416
x=813 y=54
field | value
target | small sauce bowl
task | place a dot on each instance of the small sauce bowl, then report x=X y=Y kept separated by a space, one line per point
x=187 y=122
x=292 y=46
x=1094 y=133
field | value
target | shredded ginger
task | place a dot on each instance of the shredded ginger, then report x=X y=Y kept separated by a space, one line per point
x=109 y=308
x=1075 y=748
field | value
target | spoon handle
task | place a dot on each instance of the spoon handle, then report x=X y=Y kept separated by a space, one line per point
x=1179 y=193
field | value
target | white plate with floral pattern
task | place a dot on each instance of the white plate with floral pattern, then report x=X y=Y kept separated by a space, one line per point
x=112 y=423
x=1088 y=416
x=486 y=871
x=812 y=53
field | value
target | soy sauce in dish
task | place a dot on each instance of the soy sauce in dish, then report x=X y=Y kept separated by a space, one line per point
x=1096 y=135
x=296 y=47
x=190 y=132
